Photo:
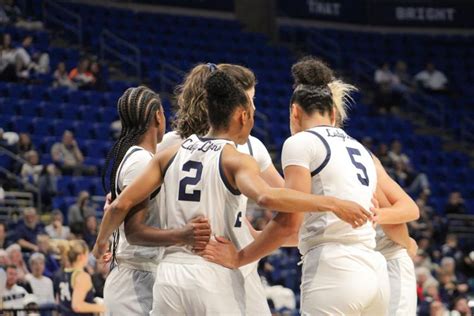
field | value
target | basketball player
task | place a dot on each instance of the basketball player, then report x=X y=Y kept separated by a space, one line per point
x=204 y=176
x=192 y=118
x=128 y=288
x=74 y=286
x=392 y=238
x=342 y=273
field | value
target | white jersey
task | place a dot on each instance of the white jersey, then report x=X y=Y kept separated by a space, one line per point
x=255 y=148
x=387 y=247
x=194 y=185
x=139 y=257
x=340 y=167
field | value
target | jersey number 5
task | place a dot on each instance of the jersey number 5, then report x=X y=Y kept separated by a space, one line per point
x=363 y=179
x=195 y=196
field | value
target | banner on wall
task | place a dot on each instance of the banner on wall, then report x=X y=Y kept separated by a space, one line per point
x=216 y=5
x=440 y=13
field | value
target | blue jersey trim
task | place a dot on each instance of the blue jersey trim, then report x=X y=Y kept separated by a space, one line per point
x=249 y=144
x=328 y=154
x=224 y=179
x=121 y=166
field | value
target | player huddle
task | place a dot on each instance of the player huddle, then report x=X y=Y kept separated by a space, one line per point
x=182 y=245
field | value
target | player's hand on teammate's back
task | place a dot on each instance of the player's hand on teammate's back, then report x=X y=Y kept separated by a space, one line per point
x=100 y=251
x=197 y=233
x=352 y=213
x=221 y=251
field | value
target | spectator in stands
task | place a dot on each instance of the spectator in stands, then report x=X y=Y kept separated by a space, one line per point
x=7 y=60
x=28 y=230
x=24 y=145
x=96 y=71
x=432 y=80
x=79 y=211
x=56 y=230
x=30 y=61
x=404 y=174
x=422 y=227
x=382 y=155
x=455 y=204
x=405 y=81
x=16 y=258
x=68 y=156
x=385 y=80
x=61 y=77
x=51 y=263
x=448 y=271
x=461 y=306
x=81 y=75
x=11 y=14
x=4 y=258
x=14 y=293
x=98 y=279
x=32 y=170
x=41 y=285
x=90 y=231
x=451 y=248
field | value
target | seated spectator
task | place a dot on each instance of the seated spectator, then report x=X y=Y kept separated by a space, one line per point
x=451 y=248
x=45 y=248
x=14 y=293
x=61 y=77
x=96 y=71
x=382 y=155
x=455 y=204
x=461 y=307
x=68 y=156
x=56 y=230
x=385 y=81
x=411 y=181
x=81 y=75
x=90 y=231
x=41 y=285
x=79 y=211
x=8 y=140
x=16 y=258
x=32 y=170
x=29 y=61
x=24 y=145
x=7 y=60
x=4 y=258
x=29 y=229
x=432 y=80
x=10 y=14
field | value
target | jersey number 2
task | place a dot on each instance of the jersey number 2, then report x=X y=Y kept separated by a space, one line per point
x=363 y=179
x=195 y=196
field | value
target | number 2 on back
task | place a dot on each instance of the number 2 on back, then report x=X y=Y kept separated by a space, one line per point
x=363 y=179
x=195 y=196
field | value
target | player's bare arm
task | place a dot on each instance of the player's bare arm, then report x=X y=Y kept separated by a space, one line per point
x=138 y=191
x=401 y=209
x=196 y=233
x=243 y=173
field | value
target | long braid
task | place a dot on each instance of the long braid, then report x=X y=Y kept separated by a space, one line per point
x=135 y=107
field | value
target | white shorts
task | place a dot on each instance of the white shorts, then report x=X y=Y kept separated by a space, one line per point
x=401 y=273
x=128 y=292
x=197 y=289
x=344 y=280
x=255 y=298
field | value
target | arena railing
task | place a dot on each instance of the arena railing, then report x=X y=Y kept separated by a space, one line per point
x=56 y=14
x=127 y=53
x=10 y=175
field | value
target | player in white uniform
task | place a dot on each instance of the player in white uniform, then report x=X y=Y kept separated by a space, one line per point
x=128 y=288
x=191 y=118
x=186 y=283
x=392 y=238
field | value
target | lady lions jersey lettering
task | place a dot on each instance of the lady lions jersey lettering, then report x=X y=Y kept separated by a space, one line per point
x=340 y=167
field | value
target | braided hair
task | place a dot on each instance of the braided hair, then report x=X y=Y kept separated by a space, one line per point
x=136 y=108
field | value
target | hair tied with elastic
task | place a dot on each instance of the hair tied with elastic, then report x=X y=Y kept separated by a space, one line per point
x=212 y=67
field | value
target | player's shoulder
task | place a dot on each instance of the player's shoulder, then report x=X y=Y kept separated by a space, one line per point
x=300 y=138
x=170 y=139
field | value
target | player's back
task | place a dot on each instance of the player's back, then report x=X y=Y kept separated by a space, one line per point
x=194 y=185
x=63 y=287
x=340 y=167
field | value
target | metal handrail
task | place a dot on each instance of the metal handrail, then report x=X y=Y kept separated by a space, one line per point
x=106 y=37
x=330 y=49
x=63 y=17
